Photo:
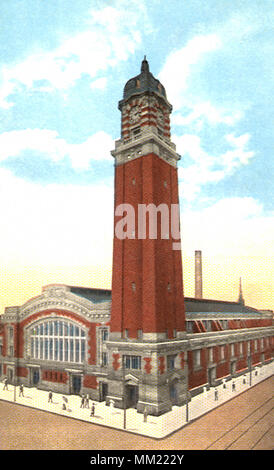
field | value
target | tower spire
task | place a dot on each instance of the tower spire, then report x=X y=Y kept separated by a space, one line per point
x=241 y=298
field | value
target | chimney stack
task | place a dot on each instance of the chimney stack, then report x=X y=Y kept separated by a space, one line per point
x=198 y=275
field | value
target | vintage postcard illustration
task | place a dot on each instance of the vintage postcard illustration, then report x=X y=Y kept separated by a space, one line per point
x=136 y=200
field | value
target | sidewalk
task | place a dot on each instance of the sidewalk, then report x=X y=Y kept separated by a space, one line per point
x=156 y=426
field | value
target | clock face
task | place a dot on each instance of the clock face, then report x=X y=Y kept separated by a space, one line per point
x=134 y=114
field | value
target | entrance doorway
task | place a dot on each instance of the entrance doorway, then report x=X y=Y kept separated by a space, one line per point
x=173 y=391
x=212 y=376
x=35 y=376
x=132 y=396
x=103 y=391
x=76 y=384
x=10 y=375
x=233 y=368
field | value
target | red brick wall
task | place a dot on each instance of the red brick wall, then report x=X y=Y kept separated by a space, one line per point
x=152 y=265
x=4 y=349
x=197 y=376
x=92 y=344
x=22 y=371
x=90 y=381
x=54 y=376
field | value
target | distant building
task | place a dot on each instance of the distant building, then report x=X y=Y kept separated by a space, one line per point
x=142 y=344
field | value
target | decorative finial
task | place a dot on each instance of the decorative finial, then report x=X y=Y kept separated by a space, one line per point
x=145 y=66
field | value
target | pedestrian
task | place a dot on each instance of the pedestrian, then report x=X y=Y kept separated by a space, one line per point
x=224 y=384
x=216 y=394
x=65 y=400
x=5 y=384
x=82 y=402
x=50 y=397
x=233 y=386
x=244 y=379
x=111 y=406
x=21 y=390
x=87 y=401
x=92 y=410
x=145 y=415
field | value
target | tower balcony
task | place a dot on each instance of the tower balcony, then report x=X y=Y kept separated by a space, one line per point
x=145 y=132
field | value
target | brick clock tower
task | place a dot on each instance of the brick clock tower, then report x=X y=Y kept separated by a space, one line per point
x=147 y=342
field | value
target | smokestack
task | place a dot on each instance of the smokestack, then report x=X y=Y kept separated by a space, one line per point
x=198 y=275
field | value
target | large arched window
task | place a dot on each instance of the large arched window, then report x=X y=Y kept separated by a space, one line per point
x=58 y=340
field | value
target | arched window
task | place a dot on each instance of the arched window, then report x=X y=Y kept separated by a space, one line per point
x=58 y=340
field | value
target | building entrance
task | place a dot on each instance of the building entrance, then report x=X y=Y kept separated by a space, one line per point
x=10 y=375
x=103 y=391
x=35 y=376
x=76 y=384
x=132 y=396
x=173 y=390
x=212 y=376
x=233 y=368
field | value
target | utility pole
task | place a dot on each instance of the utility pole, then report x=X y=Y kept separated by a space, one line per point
x=124 y=392
x=250 y=363
x=15 y=352
x=187 y=407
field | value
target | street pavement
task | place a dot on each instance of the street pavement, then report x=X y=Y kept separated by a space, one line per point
x=131 y=421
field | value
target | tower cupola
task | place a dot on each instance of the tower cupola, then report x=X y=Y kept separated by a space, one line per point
x=145 y=82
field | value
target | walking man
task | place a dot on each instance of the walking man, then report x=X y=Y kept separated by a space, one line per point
x=145 y=415
x=21 y=390
x=50 y=397
x=87 y=401
x=216 y=394
x=82 y=402
x=233 y=386
x=92 y=410
x=5 y=384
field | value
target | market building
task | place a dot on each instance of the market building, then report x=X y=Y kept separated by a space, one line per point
x=141 y=344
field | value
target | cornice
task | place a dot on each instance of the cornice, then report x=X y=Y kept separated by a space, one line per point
x=148 y=142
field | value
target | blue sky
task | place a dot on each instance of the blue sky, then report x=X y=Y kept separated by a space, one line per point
x=63 y=66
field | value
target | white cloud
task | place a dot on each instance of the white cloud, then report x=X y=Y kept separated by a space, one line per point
x=208 y=168
x=178 y=66
x=206 y=112
x=54 y=224
x=187 y=78
x=230 y=227
x=239 y=156
x=99 y=84
x=96 y=147
x=112 y=35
